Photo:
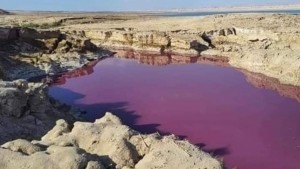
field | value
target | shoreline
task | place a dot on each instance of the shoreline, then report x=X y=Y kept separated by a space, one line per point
x=250 y=41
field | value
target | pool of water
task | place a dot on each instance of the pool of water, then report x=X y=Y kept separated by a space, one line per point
x=248 y=120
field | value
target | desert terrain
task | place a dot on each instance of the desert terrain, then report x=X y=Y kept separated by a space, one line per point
x=45 y=43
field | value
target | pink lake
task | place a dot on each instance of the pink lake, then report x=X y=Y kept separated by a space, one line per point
x=250 y=121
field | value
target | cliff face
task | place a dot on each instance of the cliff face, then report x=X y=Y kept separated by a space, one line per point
x=29 y=52
x=150 y=40
x=261 y=43
x=262 y=51
x=257 y=43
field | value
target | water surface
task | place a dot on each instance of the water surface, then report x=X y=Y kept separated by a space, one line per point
x=216 y=107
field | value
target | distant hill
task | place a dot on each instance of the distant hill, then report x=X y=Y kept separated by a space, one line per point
x=3 y=12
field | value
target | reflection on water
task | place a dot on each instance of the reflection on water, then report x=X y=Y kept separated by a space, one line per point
x=264 y=82
x=161 y=60
x=255 y=79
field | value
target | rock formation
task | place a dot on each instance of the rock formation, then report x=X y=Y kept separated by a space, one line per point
x=27 y=112
x=260 y=43
x=263 y=43
x=106 y=143
x=27 y=53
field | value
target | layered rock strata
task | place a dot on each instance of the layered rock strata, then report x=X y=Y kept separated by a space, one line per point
x=261 y=43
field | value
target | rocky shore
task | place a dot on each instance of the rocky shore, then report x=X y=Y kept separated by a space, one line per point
x=27 y=53
x=106 y=143
x=47 y=44
x=260 y=43
x=26 y=111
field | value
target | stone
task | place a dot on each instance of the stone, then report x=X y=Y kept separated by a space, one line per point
x=26 y=111
x=22 y=146
x=28 y=33
x=118 y=146
x=94 y=165
x=13 y=102
x=54 y=157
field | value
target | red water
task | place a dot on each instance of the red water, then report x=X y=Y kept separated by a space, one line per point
x=214 y=107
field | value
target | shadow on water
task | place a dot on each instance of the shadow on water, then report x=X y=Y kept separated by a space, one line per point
x=119 y=109
x=98 y=110
x=217 y=152
x=222 y=151
x=128 y=117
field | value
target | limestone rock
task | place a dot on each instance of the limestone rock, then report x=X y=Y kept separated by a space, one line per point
x=94 y=165
x=26 y=111
x=28 y=53
x=53 y=158
x=120 y=147
x=28 y=33
x=22 y=146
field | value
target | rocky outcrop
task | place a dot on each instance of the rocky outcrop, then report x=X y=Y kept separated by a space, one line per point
x=112 y=144
x=52 y=157
x=26 y=111
x=151 y=41
x=27 y=53
x=261 y=51
x=261 y=43
x=169 y=58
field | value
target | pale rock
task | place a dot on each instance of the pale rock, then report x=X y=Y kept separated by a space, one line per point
x=22 y=146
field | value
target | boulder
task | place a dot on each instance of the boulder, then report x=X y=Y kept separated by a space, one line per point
x=22 y=146
x=54 y=157
x=27 y=112
x=120 y=147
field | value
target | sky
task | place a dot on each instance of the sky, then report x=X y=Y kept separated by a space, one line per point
x=128 y=5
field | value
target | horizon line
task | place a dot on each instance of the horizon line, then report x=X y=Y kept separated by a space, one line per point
x=204 y=9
